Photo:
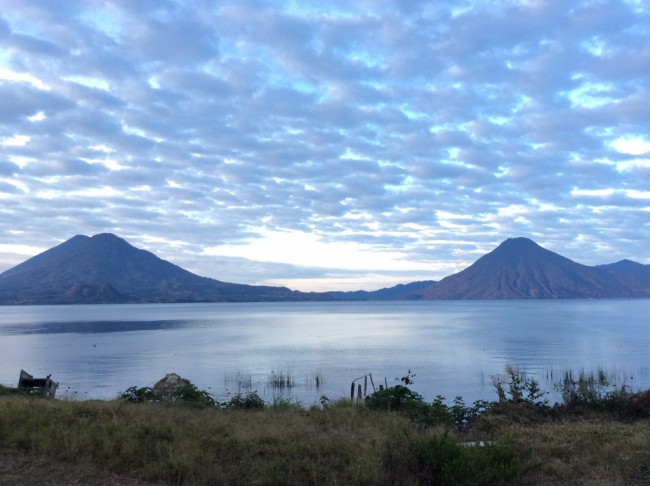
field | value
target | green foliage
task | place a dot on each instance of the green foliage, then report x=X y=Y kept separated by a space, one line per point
x=464 y=416
x=341 y=443
x=520 y=387
x=442 y=460
x=191 y=395
x=402 y=399
x=589 y=389
x=398 y=397
x=187 y=394
x=281 y=403
x=140 y=395
x=408 y=378
x=250 y=401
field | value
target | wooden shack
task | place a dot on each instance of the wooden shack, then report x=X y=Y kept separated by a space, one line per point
x=44 y=386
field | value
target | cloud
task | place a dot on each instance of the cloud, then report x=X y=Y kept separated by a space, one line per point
x=394 y=141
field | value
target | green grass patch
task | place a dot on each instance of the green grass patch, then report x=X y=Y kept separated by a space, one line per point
x=392 y=437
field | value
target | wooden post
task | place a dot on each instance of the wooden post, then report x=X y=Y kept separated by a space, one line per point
x=359 y=397
x=365 y=385
x=373 y=383
x=352 y=391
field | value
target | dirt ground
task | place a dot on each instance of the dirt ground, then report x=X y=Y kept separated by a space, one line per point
x=21 y=469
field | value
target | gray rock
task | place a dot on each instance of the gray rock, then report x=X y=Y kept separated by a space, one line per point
x=169 y=385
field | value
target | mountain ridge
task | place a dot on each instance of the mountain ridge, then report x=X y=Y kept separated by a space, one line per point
x=519 y=268
x=107 y=269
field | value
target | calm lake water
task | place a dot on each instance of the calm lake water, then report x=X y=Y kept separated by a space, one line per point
x=453 y=347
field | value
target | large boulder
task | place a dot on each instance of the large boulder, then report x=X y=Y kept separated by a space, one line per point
x=169 y=385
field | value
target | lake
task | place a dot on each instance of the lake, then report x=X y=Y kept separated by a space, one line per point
x=452 y=347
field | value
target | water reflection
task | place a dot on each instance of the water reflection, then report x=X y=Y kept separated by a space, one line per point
x=96 y=327
x=453 y=347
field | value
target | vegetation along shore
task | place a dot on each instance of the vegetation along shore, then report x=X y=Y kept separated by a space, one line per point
x=598 y=435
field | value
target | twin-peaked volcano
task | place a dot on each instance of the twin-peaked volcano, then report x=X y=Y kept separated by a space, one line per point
x=107 y=269
x=521 y=269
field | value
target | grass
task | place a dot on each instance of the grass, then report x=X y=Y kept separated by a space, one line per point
x=315 y=380
x=280 y=380
x=243 y=379
x=598 y=436
x=342 y=443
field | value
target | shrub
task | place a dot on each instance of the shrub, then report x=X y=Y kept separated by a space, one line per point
x=250 y=401
x=442 y=460
x=281 y=403
x=191 y=395
x=188 y=394
x=589 y=389
x=140 y=395
x=464 y=416
x=520 y=387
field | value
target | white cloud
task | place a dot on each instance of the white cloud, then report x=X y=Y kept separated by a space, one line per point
x=631 y=145
x=15 y=141
x=326 y=144
x=9 y=75
x=300 y=248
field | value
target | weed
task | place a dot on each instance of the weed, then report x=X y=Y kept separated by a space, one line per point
x=339 y=443
x=588 y=388
x=243 y=379
x=187 y=394
x=442 y=460
x=250 y=401
x=407 y=379
x=191 y=395
x=520 y=387
x=280 y=380
x=316 y=380
x=143 y=394
x=280 y=402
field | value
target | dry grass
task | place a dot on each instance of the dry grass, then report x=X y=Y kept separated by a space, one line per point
x=188 y=446
x=343 y=444
x=578 y=451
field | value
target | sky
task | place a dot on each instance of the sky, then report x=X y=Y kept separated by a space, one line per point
x=326 y=145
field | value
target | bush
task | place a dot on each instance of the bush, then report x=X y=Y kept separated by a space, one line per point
x=402 y=399
x=520 y=387
x=250 y=401
x=140 y=395
x=442 y=460
x=191 y=395
x=399 y=398
x=187 y=394
x=589 y=389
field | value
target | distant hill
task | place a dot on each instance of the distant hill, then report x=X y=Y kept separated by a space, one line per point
x=521 y=269
x=107 y=269
x=398 y=292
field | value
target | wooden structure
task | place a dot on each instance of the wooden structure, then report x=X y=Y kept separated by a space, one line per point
x=45 y=386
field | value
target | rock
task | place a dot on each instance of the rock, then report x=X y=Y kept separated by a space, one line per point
x=169 y=385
